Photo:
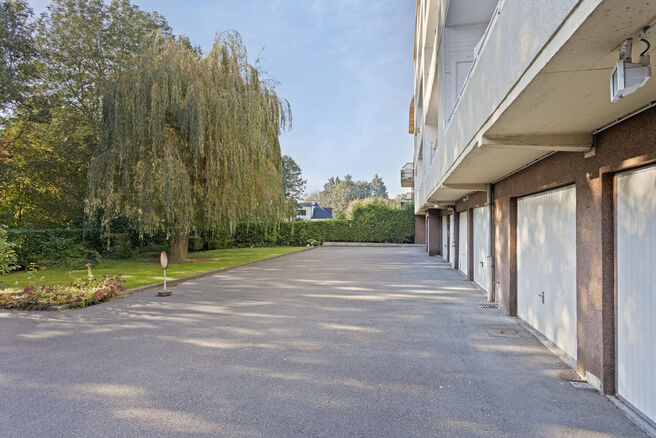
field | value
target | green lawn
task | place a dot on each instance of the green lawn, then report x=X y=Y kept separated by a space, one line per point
x=143 y=270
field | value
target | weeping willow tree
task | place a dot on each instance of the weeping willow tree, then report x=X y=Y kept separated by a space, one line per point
x=189 y=142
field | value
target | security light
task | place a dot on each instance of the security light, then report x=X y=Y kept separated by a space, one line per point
x=627 y=77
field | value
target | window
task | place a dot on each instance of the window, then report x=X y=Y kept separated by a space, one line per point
x=302 y=212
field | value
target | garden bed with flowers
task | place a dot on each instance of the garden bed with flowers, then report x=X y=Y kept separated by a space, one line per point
x=79 y=293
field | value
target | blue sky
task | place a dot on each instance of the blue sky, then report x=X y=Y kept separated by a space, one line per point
x=344 y=65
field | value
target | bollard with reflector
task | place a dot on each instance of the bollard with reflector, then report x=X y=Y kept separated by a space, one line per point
x=164 y=263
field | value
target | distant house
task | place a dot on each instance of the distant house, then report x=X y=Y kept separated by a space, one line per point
x=312 y=211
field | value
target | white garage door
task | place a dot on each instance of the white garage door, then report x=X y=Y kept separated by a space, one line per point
x=462 y=242
x=445 y=236
x=546 y=265
x=452 y=240
x=635 y=217
x=481 y=245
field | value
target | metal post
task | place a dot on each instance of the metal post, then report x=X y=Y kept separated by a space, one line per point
x=164 y=263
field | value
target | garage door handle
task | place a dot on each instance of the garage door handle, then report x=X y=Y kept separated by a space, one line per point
x=542 y=296
x=481 y=263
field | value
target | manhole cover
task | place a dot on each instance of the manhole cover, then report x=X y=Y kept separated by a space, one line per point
x=502 y=333
x=490 y=306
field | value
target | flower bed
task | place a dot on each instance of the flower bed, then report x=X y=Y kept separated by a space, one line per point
x=78 y=294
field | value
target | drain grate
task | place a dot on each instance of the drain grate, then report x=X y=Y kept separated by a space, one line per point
x=490 y=306
x=502 y=333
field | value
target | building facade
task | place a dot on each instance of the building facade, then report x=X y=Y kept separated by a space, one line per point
x=312 y=211
x=534 y=184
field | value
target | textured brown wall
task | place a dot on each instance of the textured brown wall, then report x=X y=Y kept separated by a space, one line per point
x=627 y=145
x=434 y=227
x=476 y=199
x=505 y=250
x=420 y=228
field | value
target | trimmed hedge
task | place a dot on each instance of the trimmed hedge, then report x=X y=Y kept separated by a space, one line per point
x=64 y=246
x=42 y=246
x=375 y=221
x=287 y=234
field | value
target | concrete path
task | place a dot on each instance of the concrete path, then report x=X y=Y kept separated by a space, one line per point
x=334 y=342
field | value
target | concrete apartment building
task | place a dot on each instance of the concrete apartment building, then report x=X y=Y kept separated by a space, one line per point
x=534 y=184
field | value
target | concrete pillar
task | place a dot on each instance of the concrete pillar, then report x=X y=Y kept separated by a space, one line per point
x=420 y=228
x=426 y=231
x=595 y=288
x=505 y=223
x=434 y=227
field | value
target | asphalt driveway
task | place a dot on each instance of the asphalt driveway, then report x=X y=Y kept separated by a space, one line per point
x=333 y=342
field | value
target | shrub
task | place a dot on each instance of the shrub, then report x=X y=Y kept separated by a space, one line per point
x=379 y=220
x=118 y=245
x=68 y=247
x=384 y=203
x=54 y=246
x=219 y=239
x=8 y=258
x=151 y=243
x=62 y=252
x=196 y=243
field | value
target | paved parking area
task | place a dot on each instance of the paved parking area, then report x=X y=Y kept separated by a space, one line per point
x=333 y=342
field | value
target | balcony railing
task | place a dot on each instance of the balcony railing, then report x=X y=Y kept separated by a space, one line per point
x=407 y=175
x=407 y=197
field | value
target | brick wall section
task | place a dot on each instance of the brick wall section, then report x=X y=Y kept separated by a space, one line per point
x=476 y=199
x=420 y=228
x=434 y=227
x=627 y=145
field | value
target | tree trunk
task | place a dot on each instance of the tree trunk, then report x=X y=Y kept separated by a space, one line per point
x=179 y=246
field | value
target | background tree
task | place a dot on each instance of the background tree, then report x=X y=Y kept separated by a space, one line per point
x=378 y=188
x=46 y=146
x=84 y=42
x=40 y=181
x=293 y=185
x=17 y=51
x=338 y=193
x=189 y=142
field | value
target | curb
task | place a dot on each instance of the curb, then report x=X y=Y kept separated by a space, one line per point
x=175 y=282
x=58 y=308
x=181 y=280
x=372 y=244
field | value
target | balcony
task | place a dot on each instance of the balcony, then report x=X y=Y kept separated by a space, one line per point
x=407 y=197
x=538 y=84
x=407 y=175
